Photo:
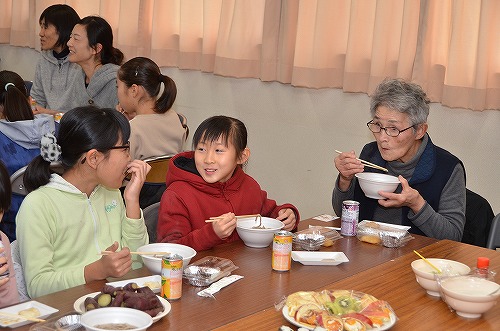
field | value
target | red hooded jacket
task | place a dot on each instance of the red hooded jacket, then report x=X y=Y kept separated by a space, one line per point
x=188 y=201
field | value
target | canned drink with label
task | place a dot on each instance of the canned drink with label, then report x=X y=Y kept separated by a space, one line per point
x=171 y=277
x=282 y=251
x=6 y=273
x=349 y=218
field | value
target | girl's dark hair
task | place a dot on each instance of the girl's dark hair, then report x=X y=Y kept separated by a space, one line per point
x=225 y=127
x=64 y=18
x=14 y=99
x=144 y=72
x=99 y=32
x=81 y=129
x=5 y=188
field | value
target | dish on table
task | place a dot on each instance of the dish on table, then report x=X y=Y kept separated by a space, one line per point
x=319 y=258
x=14 y=322
x=338 y=308
x=79 y=307
x=153 y=282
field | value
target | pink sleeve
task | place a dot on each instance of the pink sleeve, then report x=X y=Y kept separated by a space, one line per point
x=8 y=292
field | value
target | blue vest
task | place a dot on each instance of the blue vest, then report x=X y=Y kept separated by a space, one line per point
x=431 y=174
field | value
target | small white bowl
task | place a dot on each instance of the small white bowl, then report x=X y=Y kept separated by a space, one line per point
x=153 y=263
x=371 y=183
x=425 y=274
x=469 y=296
x=258 y=238
x=115 y=315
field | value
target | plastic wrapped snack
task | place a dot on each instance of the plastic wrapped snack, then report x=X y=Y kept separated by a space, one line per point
x=388 y=235
x=207 y=270
x=312 y=238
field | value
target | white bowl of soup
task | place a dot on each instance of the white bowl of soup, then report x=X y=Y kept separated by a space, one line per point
x=153 y=262
x=371 y=183
x=253 y=236
x=426 y=275
x=116 y=318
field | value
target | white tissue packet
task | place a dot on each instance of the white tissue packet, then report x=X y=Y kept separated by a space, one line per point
x=215 y=287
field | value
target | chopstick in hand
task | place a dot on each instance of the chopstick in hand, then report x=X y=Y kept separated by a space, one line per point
x=214 y=219
x=16 y=316
x=368 y=164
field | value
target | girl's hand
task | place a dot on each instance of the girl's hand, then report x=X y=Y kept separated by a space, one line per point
x=138 y=170
x=115 y=264
x=347 y=165
x=225 y=225
x=287 y=216
x=4 y=266
x=408 y=197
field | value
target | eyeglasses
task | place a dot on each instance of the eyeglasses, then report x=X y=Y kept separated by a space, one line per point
x=127 y=146
x=390 y=131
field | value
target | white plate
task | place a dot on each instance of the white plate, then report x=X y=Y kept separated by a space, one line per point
x=45 y=311
x=386 y=326
x=79 y=307
x=319 y=258
x=141 y=282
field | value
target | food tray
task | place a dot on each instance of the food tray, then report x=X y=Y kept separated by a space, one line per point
x=207 y=270
x=388 y=235
x=312 y=238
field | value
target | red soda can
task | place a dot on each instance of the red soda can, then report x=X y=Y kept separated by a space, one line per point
x=171 y=277
x=282 y=251
x=349 y=218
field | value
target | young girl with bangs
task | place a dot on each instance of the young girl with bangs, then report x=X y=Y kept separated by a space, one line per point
x=210 y=181
x=66 y=222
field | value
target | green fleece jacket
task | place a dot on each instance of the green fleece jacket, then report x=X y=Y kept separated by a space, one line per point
x=60 y=230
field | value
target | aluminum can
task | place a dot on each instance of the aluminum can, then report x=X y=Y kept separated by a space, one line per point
x=171 y=277
x=282 y=251
x=349 y=218
x=6 y=273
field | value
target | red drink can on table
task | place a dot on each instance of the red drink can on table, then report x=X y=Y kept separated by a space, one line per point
x=282 y=251
x=171 y=277
x=349 y=218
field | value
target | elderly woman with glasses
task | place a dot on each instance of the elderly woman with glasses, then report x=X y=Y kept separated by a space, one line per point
x=431 y=196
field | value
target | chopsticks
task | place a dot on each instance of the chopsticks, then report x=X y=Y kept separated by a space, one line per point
x=368 y=164
x=214 y=219
x=17 y=317
x=427 y=261
x=137 y=253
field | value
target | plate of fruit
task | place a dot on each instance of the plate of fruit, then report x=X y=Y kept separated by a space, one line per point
x=338 y=310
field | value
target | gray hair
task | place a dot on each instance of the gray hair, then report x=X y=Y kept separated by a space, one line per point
x=404 y=97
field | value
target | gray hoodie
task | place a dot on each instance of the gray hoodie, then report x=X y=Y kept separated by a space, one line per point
x=53 y=78
x=28 y=133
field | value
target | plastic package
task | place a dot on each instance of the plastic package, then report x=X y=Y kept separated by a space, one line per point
x=207 y=270
x=388 y=235
x=312 y=238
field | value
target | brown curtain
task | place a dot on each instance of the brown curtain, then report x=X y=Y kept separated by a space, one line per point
x=449 y=47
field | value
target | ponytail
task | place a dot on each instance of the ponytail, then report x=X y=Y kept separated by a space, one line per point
x=167 y=98
x=14 y=97
x=37 y=174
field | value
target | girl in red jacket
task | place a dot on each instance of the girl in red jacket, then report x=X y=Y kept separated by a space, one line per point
x=210 y=181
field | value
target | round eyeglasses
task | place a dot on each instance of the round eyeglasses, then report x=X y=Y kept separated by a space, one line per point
x=390 y=131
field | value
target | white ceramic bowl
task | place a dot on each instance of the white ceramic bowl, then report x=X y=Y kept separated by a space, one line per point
x=115 y=315
x=258 y=237
x=469 y=296
x=425 y=274
x=153 y=263
x=371 y=183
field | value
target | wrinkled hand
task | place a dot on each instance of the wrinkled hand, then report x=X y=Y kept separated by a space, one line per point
x=224 y=226
x=347 y=165
x=116 y=264
x=287 y=216
x=408 y=197
x=4 y=267
x=138 y=170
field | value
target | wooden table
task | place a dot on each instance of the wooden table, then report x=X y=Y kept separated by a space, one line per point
x=260 y=288
x=394 y=282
